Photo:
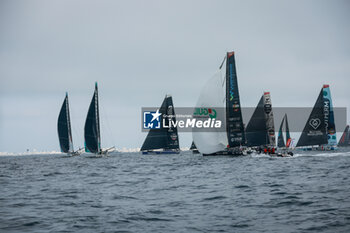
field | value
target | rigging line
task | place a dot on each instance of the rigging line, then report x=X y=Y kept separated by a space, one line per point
x=111 y=138
x=75 y=128
x=222 y=62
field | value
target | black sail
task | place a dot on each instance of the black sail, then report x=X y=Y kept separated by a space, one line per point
x=256 y=131
x=163 y=138
x=92 y=126
x=64 y=128
x=235 y=128
x=345 y=138
x=288 y=138
x=280 y=140
x=193 y=146
x=314 y=132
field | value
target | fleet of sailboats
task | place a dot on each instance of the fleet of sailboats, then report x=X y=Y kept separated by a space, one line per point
x=221 y=91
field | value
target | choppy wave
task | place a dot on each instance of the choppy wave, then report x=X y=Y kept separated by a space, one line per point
x=131 y=192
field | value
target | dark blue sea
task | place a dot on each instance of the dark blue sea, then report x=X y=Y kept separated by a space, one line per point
x=130 y=192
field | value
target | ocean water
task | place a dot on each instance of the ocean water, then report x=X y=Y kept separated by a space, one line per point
x=130 y=192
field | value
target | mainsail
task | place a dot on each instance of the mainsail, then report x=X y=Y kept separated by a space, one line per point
x=92 y=126
x=270 y=125
x=163 y=138
x=288 y=138
x=314 y=132
x=64 y=128
x=345 y=138
x=329 y=116
x=256 y=131
x=234 y=119
x=260 y=130
x=280 y=141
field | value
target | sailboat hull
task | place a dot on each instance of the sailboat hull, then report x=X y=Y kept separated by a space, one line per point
x=235 y=152
x=160 y=152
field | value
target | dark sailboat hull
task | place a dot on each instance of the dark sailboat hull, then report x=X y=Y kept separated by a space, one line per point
x=231 y=152
x=160 y=152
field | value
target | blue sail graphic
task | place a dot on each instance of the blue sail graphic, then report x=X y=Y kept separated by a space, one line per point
x=329 y=116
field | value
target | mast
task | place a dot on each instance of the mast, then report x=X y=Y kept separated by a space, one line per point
x=234 y=120
x=97 y=112
x=69 y=126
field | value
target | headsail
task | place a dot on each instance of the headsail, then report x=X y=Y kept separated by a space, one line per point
x=280 y=140
x=92 y=126
x=64 y=128
x=345 y=138
x=234 y=119
x=314 y=132
x=163 y=138
x=256 y=131
x=329 y=116
x=212 y=96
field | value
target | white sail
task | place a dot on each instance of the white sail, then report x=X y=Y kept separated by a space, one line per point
x=212 y=96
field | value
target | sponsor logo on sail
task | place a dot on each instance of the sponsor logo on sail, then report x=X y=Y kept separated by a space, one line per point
x=151 y=119
x=205 y=112
x=231 y=82
x=315 y=123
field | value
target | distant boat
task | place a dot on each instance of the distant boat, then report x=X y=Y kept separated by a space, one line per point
x=64 y=129
x=92 y=128
x=221 y=91
x=163 y=140
x=260 y=130
x=319 y=130
x=194 y=149
x=280 y=140
x=345 y=138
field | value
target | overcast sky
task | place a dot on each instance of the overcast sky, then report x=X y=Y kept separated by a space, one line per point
x=138 y=51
